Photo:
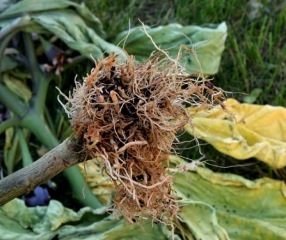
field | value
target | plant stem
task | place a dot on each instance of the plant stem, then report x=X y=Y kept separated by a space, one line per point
x=36 y=124
x=40 y=82
x=26 y=155
x=3 y=46
x=32 y=119
x=28 y=178
x=8 y=124
x=13 y=103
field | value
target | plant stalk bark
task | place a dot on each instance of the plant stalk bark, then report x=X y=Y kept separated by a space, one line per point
x=26 y=179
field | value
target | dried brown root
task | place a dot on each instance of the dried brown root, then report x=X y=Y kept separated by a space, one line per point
x=127 y=115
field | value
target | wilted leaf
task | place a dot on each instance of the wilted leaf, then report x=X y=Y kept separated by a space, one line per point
x=228 y=206
x=55 y=221
x=17 y=87
x=36 y=6
x=8 y=137
x=8 y=63
x=74 y=24
x=30 y=6
x=259 y=131
x=72 y=30
x=4 y=4
x=207 y=41
x=254 y=8
x=100 y=184
x=11 y=150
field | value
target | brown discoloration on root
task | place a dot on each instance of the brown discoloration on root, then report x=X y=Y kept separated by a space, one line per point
x=127 y=116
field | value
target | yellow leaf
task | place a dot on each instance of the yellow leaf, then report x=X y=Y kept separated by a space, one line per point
x=17 y=87
x=253 y=131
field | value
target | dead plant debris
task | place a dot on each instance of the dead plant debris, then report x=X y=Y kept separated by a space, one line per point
x=127 y=115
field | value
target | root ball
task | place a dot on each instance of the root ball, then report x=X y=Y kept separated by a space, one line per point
x=127 y=116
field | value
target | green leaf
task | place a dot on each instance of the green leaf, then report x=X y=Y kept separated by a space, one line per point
x=253 y=95
x=208 y=43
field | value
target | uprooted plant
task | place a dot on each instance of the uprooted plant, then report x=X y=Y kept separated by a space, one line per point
x=126 y=116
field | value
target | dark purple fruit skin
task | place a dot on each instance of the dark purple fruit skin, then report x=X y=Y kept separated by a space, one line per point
x=38 y=197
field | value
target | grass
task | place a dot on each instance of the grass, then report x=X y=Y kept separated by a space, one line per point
x=254 y=58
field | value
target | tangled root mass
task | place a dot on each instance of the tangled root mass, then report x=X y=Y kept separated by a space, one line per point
x=127 y=116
